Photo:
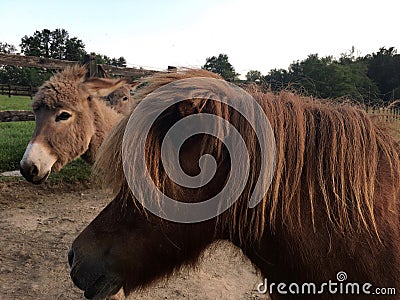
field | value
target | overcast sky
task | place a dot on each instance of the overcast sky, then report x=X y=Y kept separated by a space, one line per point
x=256 y=35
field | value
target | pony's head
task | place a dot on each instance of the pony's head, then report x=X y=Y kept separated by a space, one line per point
x=67 y=110
x=149 y=239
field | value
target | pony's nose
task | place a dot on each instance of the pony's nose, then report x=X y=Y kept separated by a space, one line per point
x=70 y=257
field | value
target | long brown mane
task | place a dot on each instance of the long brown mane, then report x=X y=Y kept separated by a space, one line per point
x=328 y=159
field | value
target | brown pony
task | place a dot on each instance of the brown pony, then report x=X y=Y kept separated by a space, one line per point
x=332 y=205
x=71 y=121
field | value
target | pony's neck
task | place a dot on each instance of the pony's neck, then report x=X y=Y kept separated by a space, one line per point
x=104 y=118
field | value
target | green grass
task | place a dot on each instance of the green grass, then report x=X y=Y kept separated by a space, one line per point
x=15 y=103
x=75 y=171
x=15 y=136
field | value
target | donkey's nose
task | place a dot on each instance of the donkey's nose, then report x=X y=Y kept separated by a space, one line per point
x=34 y=171
x=28 y=170
x=70 y=257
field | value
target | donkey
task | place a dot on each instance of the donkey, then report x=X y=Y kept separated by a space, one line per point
x=122 y=100
x=71 y=121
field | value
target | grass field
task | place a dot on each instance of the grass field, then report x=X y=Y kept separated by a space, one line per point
x=15 y=136
x=15 y=103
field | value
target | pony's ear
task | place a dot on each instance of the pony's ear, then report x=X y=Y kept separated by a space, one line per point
x=191 y=106
x=102 y=87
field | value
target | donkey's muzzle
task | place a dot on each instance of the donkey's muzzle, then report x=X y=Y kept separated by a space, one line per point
x=31 y=173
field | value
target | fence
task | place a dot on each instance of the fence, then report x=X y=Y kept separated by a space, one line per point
x=15 y=90
x=94 y=70
x=100 y=70
x=387 y=115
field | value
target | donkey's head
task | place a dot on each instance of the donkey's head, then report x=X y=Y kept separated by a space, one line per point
x=120 y=98
x=67 y=112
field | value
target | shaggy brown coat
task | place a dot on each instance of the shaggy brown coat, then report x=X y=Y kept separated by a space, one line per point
x=333 y=202
x=72 y=91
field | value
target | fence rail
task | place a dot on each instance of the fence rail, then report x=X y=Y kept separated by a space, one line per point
x=94 y=69
x=16 y=115
x=34 y=62
x=16 y=90
x=58 y=64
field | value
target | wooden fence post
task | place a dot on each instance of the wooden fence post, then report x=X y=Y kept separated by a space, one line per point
x=92 y=66
x=172 y=69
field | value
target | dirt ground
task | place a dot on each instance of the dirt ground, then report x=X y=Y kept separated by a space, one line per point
x=39 y=223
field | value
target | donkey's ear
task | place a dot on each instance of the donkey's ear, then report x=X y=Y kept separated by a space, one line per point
x=191 y=106
x=102 y=87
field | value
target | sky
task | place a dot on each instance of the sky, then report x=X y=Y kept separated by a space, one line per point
x=255 y=34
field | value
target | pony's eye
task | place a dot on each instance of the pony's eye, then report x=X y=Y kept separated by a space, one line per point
x=63 y=116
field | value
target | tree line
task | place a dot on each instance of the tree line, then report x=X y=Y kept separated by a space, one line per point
x=55 y=44
x=373 y=79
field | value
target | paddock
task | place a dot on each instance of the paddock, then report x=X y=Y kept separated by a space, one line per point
x=38 y=224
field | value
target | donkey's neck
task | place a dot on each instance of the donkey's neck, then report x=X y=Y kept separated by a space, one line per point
x=104 y=118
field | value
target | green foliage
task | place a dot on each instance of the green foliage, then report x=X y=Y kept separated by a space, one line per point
x=104 y=59
x=384 y=70
x=23 y=76
x=253 y=76
x=7 y=48
x=278 y=79
x=48 y=44
x=53 y=44
x=221 y=65
x=15 y=103
x=327 y=78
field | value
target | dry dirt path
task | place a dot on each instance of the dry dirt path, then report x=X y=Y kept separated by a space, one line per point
x=38 y=224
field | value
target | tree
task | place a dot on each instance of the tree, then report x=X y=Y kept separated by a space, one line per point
x=121 y=62
x=105 y=60
x=53 y=44
x=384 y=69
x=278 y=79
x=20 y=75
x=7 y=48
x=254 y=76
x=221 y=65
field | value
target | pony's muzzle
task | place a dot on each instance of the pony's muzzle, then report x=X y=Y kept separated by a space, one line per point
x=91 y=277
x=70 y=257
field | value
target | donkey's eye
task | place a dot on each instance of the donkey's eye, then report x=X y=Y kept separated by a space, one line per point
x=125 y=98
x=63 y=116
